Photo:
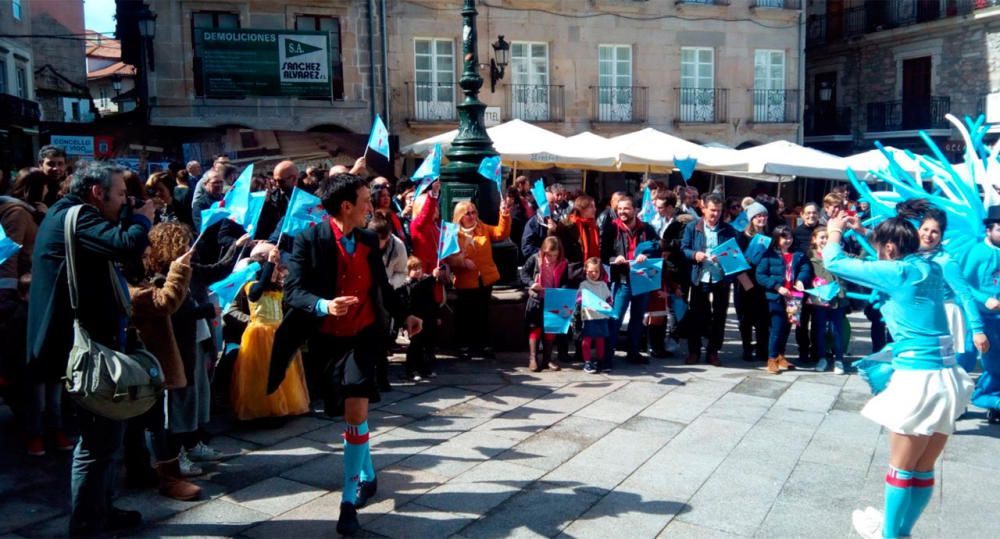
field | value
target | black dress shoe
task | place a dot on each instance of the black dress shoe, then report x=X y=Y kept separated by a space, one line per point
x=348 y=523
x=993 y=416
x=120 y=519
x=637 y=358
x=366 y=491
x=488 y=353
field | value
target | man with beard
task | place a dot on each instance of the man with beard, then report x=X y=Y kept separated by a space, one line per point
x=52 y=161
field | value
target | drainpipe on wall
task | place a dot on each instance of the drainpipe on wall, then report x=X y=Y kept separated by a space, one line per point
x=385 y=65
x=371 y=59
x=800 y=132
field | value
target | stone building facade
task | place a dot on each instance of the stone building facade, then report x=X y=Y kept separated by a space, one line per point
x=19 y=110
x=60 y=67
x=886 y=70
x=708 y=71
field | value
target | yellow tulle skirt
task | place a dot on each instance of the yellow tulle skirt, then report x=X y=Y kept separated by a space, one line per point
x=249 y=382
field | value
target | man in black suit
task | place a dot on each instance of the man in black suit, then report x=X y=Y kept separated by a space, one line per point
x=101 y=236
x=336 y=287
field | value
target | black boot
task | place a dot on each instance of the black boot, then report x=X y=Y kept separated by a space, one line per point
x=366 y=491
x=348 y=523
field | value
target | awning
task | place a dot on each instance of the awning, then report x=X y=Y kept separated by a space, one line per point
x=520 y=144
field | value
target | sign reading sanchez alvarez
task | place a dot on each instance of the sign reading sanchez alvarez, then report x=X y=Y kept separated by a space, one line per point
x=236 y=63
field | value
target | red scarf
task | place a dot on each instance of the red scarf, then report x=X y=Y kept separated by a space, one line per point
x=633 y=238
x=589 y=240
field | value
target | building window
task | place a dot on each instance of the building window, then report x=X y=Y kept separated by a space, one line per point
x=434 y=74
x=15 y=9
x=331 y=25
x=209 y=20
x=21 y=72
x=697 y=103
x=614 y=82
x=769 y=96
x=3 y=76
x=75 y=110
x=530 y=90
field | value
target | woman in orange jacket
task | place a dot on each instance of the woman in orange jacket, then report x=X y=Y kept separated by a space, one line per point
x=475 y=273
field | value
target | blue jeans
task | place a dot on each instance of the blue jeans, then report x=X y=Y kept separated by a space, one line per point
x=987 y=392
x=824 y=317
x=779 y=330
x=637 y=306
x=96 y=460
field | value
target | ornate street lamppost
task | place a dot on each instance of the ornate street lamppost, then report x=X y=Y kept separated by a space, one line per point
x=460 y=178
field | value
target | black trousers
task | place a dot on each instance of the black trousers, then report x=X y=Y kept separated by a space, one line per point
x=709 y=306
x=472 y=308
x=752 y=312
x=420 y=354
x=808 y=350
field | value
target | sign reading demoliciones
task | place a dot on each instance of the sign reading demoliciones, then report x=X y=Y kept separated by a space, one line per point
x=237 y=63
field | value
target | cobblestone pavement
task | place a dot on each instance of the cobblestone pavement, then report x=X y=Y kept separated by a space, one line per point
x=488 y=449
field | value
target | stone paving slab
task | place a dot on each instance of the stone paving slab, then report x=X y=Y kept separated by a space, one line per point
x=542 y=510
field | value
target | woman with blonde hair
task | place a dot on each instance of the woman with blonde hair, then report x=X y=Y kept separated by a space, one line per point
x=475 y=273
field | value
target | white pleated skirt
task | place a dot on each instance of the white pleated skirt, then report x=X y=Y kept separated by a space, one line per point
x=956 y=325
x=922 y=402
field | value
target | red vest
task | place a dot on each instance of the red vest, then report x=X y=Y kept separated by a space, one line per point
x=354 y=278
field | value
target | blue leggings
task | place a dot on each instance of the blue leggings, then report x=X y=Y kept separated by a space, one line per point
x=779 y=330
x=987 y=392
x=824 y=318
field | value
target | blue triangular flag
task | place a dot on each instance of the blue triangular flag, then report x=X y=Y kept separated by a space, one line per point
x=304 y=210
x=559 y=305
x=448 y=244
x=758 y=246
x=647 y=248
x=679 y=306
x=429 y=171
x=538 y=191
x=590 y=301
x=490 y=168
x=646 y=276
x=378 y=140
x=648 y=210
x=685 y=166
x=210 y=216
x=8 y=247
x=730 y=257
x=237 y=200
x=254 y=209
x=825 y=293
x=741 y=222
x=227 y=288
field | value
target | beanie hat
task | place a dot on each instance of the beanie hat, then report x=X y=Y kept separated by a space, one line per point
x=754 y=210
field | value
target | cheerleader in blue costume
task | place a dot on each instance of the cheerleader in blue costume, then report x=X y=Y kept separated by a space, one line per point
x=982 y=270
x=927 y=391
x=960 y=304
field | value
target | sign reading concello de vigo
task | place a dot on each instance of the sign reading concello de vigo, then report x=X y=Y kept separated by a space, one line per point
x=263 y=62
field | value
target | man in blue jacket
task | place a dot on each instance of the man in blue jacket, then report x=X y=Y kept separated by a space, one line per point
x=101 y=236
x=709 y=285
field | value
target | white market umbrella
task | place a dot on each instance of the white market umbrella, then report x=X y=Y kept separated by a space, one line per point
x=783 y=158
x=521 y=145
x=649 y=150
x=585 y=151
x=863 y=163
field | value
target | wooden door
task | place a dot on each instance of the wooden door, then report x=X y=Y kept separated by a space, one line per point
x=916 y=102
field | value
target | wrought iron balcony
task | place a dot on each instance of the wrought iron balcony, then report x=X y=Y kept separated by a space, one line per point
x=826 y=121
x=909 y=114
x=702 y=105
x=19 y=111
x=619 y=104
x=535 y=102
x=776 y=4
x=432 y=101
x=815 y=30
x=868 y=17
x=775 y=106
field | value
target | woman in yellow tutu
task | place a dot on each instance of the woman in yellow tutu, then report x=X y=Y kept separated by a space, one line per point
x=262 y=298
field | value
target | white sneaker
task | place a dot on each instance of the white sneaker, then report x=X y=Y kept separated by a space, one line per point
x=204 y=453
x=188 y=468
x=868 y=523
x=416 y=378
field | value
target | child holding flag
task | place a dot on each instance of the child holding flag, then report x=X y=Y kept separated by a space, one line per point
x=781 y=272
x=826 y=313
x=249 y=382
x=595 y=315
x=547 y=269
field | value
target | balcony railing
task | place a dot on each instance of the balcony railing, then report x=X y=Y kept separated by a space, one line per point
x=702 y=2
x=702 y=105
x=775 y=106
x=826 y=121
x=619 y=104
x=909 y=114
x=535 y=102
x=815 y=30
x=876 y=16
x=19 y=111
x=432 y=101
x=776 y=4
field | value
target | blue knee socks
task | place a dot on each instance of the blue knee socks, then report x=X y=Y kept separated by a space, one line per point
x=897 y=498
x=355 y=451
x=921 y=489
x=367 y=469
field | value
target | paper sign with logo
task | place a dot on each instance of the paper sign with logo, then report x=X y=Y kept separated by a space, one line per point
x=75 y=146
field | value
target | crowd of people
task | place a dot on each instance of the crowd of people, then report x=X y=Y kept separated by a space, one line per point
x=352 y=284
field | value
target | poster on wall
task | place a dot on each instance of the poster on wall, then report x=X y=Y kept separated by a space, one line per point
x=238 y=62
